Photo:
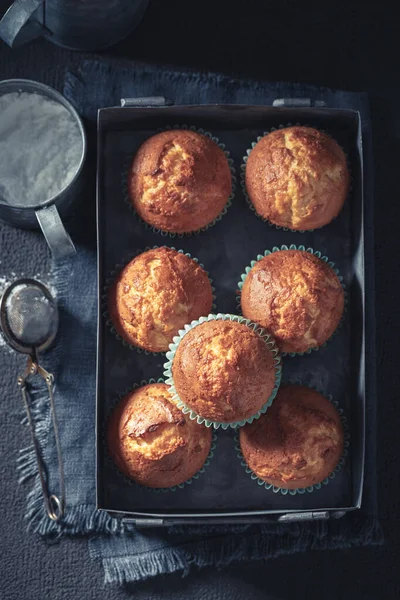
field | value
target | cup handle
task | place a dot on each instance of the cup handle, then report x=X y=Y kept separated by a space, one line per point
x=16 y=19
x=55 y=233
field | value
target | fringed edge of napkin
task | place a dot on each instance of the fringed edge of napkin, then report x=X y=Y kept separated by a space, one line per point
x=222 y=550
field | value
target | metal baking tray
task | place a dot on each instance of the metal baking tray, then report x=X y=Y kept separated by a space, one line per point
x=225 y=492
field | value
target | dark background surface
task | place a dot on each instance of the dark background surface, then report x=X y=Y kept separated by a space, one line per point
x=342 y=44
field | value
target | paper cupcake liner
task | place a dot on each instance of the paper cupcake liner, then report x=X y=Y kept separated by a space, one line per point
x=134 y=483
x=316 y=486
x=268 y=339
x=127 y=200
x=243 y=178
x=110 y=280
x=315 y=253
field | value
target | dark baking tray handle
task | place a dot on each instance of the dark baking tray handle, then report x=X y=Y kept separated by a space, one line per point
x=298 y=103
x=286 y=518
x=145 y=102
x=278 y=102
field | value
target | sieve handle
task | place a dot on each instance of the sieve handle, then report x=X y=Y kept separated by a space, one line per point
x=54 y=504
x=57 y=237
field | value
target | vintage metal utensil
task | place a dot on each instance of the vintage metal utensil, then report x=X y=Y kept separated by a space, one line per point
x=29 y=321
x=47 y=213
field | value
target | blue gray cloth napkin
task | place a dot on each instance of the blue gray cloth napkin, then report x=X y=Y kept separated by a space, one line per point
x=128 y=554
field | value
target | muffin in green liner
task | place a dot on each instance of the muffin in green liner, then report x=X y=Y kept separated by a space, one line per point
x=152 y=444
x=296 y=178
x=223 y=370
x=183 y=170
x=146 y=317
x=297 y=294
x=302 y=441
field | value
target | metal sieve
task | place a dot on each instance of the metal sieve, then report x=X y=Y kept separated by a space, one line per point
x=29 y=321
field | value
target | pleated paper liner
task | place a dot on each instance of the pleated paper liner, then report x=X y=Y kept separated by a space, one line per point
x=243 y=177
x=110 y=280
x=225 y=317
x=316 y=486
x=127 y=200
x=316 y=253
x=134 y=483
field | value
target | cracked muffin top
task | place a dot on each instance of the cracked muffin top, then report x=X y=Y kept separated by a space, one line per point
x=153 y=442
x=297 y=177
x=297 y=443
x=155 y=295
x=179 y=181
x=296 y=296
x=223 y=370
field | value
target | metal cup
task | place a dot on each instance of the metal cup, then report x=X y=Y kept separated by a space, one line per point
x=88 y=25
x=47 y=214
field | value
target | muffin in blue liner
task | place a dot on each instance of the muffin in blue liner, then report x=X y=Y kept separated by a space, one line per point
x=213 y=220
x=333 y=451
x=155 y=420
x=334 y=304
x=323 y=154
x=204 y=298
x=259 y=368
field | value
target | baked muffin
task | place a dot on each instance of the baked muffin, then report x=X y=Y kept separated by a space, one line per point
x=297 y=178
x=298 y=443
x=152 y=442
x=155 y=295
x=296 y=296
x=223 y=370
x=179 y=181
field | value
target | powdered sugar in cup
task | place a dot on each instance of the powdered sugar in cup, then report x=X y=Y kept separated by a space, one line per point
x=42 y=149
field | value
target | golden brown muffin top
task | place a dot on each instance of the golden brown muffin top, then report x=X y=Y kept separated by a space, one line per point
x=297 y=177
x=297 y=442
x=296 y=296
x=151 y=440
x=223 y=370
x=179 y=181
x=155 y=295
